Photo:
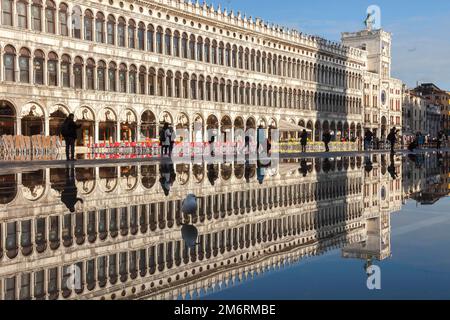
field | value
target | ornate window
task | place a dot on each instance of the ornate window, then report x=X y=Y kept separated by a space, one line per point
x=38 y=67
x=52 y=69
x=76 y=22
x=101 y=73
x=192 y=47
x=178 y=85
x=123 y=78
x=110 y=30
x=63 y=17
x=199 y=49
x=185 y=86
x=88 y=19
x=22 y=14
x=150 y=38
x=151 y=81
x=169 y=79
x=50 y=9
x=168 y=42
x=176 y=43
x=194 y=87
x=121 y=32
x=131 y=34
x=78 y=72
x=90 y=69
x=207 y=51
x=142 y=76
x=36 y=15
x=141 y=36
x=7 y=8
x=65 y=71
x=100 y=27
x=24 y=65
x=184 y=46
x=160 y=85
x=201 y=88
x=214 y=52
x=159 y=40
x=132 y=79
x=112 y=69
x=221 y=54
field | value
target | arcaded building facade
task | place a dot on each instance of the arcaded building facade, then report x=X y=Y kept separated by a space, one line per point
x=126 y=67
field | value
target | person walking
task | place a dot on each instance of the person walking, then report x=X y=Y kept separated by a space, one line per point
x=326 y=139
x=69 y=132
x=392 y=138
x=304 y=140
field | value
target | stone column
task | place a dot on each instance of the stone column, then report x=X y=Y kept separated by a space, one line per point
x=18 y=126
x=96 y=131
x=118 y=131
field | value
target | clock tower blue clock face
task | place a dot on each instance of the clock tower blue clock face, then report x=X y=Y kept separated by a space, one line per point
x=383 y=97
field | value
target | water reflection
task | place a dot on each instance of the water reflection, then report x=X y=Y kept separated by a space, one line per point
x=133 y=237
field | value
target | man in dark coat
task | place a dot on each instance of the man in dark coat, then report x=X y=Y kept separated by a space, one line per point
x=326 y=140
x=304 y=140
x=69 y=132
x=392 y=138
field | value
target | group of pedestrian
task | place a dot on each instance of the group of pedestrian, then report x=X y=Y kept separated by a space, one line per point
x=326 y=138
x=167 y=138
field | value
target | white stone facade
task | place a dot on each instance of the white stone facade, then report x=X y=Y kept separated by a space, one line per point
x=125 y=67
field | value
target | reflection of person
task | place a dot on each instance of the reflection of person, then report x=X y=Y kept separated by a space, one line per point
x=326 y=165
x=304 y=140
x=69 y=132
x=212 y=173
x=167 y=177
x=303 y=168
x=69 y=193
x=391 y=168
x=212 y=142
x=439 y=140
x=368 y=166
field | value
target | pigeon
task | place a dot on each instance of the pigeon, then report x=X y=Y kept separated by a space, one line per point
x=189 y=234
x=189 y=205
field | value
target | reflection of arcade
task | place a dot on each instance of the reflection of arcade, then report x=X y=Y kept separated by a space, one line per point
x=127 y=243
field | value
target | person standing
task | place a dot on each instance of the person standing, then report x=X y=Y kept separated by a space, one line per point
x=69 y=132
x=440 y=137
x=368 y=137
x=392 y=138
x=326 y=140
x=172 y=140
x=304 y=140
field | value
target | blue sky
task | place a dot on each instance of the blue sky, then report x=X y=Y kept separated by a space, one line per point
x=421 y=29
